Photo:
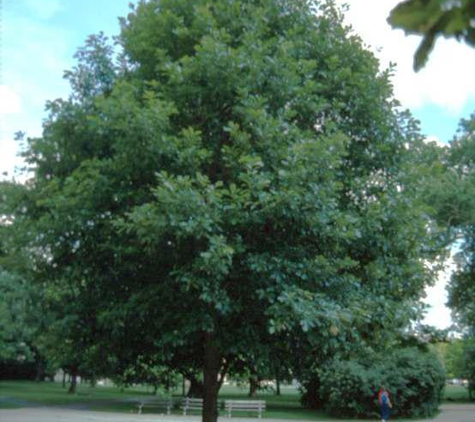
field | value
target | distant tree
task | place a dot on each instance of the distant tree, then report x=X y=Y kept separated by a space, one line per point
x=434 y=18
x=451 y=354
x=457 y=208
x=22 y=314
x=15 y=334
x=469 y=365
x=450 y=192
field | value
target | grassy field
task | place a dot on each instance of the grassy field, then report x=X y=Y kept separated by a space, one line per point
x=18 y=394
x=28 y=393
x=456 y=393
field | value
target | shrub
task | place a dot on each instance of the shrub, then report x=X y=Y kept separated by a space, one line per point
x=414 y=378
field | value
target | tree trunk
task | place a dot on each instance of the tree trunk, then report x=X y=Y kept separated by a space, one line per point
x=167 y=384
x=196 y=388
x=253 y=385
x=183 y=387
x=40 y=369
x=74 y=381
x=64 y=379
x=277 y=378
x=311 y=397
x=211 y=373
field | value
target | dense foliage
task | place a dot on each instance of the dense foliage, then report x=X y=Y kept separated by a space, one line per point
x=242 y=175
x=413 y=377
x=451 y=354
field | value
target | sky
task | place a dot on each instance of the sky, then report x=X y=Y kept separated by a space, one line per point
x=40 y=37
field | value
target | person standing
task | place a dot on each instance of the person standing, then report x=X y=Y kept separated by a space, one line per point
x=384 y=404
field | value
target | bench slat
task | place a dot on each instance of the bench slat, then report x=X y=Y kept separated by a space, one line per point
x=192 y=404
x=245 y=405
x=159 y=402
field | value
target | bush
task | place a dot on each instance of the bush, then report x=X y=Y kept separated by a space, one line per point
x=414 y=378
x=348 y=389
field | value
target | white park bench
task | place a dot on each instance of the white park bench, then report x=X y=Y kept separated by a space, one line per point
x=258 y=406
x=190 y=403
x=165 y=403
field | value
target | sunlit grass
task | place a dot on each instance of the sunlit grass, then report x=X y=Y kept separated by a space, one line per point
x=287 y=406
x=455 y=393
x=26 y=393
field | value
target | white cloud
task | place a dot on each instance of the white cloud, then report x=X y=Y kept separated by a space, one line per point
x=436 y=139
x=438 y=314
x=9 y=159
x=447 y=79
x=44 y=9
x=10 y=101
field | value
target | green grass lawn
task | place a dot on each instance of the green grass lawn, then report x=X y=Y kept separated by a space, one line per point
x=455 y=393
x=17 y=394
x=24 y=393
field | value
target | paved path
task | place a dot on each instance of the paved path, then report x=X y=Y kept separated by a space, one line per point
x=450 y=413
x=456 y=413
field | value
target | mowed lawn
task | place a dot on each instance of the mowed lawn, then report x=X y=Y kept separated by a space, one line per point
x=18 y=394
x=30 y=393
x=456 y=393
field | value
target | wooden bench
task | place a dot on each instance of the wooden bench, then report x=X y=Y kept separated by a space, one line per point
x=245 y=406
x=165 y=403
x=190 y=403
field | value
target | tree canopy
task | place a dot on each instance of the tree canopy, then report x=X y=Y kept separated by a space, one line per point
x=241 y=175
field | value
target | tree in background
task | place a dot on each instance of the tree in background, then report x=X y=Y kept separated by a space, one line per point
x=450 y=193
x=242 y=174
x=23 y=316
x=434 y=18
x=451 y=354
x=469 y=366
x=459 y=211
x=462 y=284
x=16 y=346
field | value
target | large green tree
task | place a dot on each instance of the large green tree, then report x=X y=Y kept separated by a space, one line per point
x=241 y=174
